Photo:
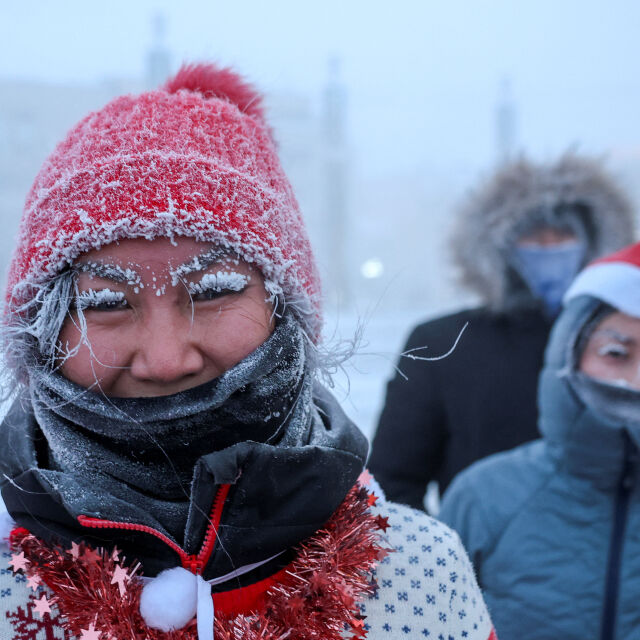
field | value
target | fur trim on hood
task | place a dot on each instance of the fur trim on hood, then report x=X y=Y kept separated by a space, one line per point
x=522 y=195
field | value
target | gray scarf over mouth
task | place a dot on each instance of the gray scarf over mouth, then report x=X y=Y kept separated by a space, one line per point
x=143 y=451
x=617 y=403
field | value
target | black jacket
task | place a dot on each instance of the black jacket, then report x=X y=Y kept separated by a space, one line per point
x=479 y=400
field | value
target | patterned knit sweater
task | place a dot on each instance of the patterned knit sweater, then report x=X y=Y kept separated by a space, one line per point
x=426 y=589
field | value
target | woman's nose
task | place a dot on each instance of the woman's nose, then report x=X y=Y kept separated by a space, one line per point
x=167 y=350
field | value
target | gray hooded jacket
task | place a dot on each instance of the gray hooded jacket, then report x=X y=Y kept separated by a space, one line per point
x=553 y=527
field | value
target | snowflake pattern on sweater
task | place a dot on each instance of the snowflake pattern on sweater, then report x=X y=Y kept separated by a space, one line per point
x=426 y=588
x=19 y=620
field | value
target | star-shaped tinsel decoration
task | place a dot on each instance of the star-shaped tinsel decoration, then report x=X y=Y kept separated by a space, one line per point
x=75 y=550
x=18 y=562
x=357 y=626
x=372 y=499
x=365 y=478
x=42 y=606
x=91 y=556
x=296 y=604
x=33 y=582
x=91 y=633
x=346 y=596
x=382 y=523
x=318 y=582
x=120 y=577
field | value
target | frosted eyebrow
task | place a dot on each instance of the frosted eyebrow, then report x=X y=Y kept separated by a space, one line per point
x=199 y=263
x=616 y=335
x=109 y=271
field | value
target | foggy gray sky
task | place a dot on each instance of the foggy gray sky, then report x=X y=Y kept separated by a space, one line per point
x=423 y=76
x=423 y=79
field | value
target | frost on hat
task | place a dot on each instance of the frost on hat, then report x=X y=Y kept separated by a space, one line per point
x=614 y=279
x=194 y=158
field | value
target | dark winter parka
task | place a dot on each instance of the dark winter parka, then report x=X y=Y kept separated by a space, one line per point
x=553 y=527
x=439 y=417
x=449 y=413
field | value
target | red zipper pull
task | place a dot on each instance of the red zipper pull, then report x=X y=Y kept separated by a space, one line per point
x=194 y=565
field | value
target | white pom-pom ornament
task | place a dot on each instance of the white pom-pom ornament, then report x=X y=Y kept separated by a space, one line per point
x=170 y=600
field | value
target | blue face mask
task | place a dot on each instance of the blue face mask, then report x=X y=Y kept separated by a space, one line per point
x=549 y=270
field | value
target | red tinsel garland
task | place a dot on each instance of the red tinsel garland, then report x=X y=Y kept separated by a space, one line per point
x=316 y=600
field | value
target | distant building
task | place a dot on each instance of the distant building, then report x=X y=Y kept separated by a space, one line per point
x=506 y=123
x=336 y=189
x=158 y=67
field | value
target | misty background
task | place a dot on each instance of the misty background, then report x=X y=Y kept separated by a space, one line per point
x=386 y=115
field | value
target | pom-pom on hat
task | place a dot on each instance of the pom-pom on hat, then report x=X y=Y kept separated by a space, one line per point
x=194 y=158
x=614 y=279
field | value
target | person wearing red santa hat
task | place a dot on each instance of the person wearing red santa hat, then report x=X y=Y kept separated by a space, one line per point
x=553 y=526
x=172 y=465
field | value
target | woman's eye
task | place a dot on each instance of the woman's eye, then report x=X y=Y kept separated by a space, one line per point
x=209 y=294
x=109 y=306
x=102 y=300
x=614 y=351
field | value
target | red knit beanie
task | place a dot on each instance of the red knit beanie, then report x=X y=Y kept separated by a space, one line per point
x=194 y=158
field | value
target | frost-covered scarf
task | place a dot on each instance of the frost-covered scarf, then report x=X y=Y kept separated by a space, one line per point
x=143 y=451
x=616 y=401
x=619 y=404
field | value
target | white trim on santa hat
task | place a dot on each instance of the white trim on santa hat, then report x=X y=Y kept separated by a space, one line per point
x=616 y=283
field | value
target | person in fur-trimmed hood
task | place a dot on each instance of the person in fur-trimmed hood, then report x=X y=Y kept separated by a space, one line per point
x=172 y=467
x=520 y=239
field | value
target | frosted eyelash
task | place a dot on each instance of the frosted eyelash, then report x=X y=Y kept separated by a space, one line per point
x=221 y=281
x=90 y=299
x=613 y=348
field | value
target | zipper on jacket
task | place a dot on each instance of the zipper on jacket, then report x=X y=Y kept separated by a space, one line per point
x=193 y=562
x=623 y=496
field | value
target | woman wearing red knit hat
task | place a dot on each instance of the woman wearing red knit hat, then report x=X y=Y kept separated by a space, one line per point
x=172 y=466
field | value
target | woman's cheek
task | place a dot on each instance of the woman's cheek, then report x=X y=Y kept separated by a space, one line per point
x=101 y=360
x=229 y=337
